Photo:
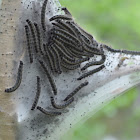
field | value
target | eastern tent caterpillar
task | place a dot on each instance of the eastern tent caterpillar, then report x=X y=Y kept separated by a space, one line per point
x=94 y=63
x=111 y=49
x=76 y=90
x=28 y=43
x=50 y=113
x=37 y=94
x=19 y=78
x=66 y=11
x=91 y=72
x=131 y=52
x=43 y=15
x=64 y=17
x=33 y=34
x=61 y=106
x=58 y=60
x=49 y=77
x=39 y=37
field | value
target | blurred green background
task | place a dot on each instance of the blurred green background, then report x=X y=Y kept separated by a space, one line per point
x=116 y=23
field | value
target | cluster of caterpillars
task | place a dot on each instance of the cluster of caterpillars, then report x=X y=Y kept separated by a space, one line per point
x=67 y=47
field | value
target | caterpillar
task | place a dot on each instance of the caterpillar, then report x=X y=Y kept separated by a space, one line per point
x=19 y=78
x=33 y=34
x=111 y=49
x=66 y=11
x=37 y=94
x=43 y=10
x=28 y=43
x=39 y=38
x=131 y=52
x=76 y=90
x=61 y=106
x=58 y=60
x=49 y=77
x=49 y=113
x=63 y=17
x=91 y=72
x=94 y=63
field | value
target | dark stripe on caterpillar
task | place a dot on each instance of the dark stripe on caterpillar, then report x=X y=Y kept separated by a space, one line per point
x=49 y=77
x=33 y=34
x=39 y=37
x=50 y=113
x=76 y=90
x=43 y=10
x=61 y=106
x=94 y=63
x=28 y=43
x=19 y=78
x=91 y=72
x=37 y=94
x=63 y=17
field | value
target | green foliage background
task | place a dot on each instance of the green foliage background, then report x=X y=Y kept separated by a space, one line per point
x=116 y=23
